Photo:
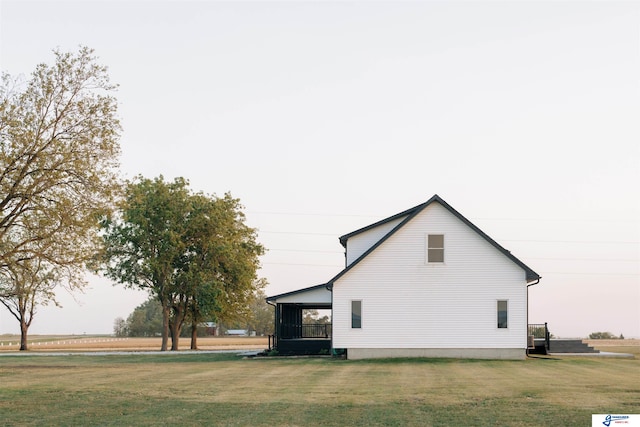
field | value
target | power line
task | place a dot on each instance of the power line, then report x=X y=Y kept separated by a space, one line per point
x=559 y=219
x=529 y=258
x=297 y=232
x=305 y=250
x=573 y=219
x=590 y=274
x=629 y=242
x=314 y=214
x=544 y=273
x=303 y=264
x=586 y=259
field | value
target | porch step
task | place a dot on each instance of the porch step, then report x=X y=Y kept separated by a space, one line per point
x=539 y=347
x=570 y=346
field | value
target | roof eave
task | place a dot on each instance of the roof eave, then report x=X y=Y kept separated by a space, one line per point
x=297 y=291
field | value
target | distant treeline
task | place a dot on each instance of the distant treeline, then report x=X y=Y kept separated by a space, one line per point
x=604 y=336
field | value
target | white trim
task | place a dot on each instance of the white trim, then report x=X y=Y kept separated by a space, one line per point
x=454 y=353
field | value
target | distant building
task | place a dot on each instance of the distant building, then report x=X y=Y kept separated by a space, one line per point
x=237 y=332
x=211 y=328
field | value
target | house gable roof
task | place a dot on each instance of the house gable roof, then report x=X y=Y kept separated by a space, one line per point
x=343 y=239
x=410 y=214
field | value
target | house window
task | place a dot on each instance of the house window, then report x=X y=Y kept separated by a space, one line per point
x=356 y=314
x=435 y=248
x=502 y=314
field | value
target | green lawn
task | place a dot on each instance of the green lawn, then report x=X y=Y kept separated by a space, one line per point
x=205 y=389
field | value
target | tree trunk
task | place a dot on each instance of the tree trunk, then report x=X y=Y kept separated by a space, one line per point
x=175 y=337
x=23 y=335
x=165 y=328
x=194 y=336
x=176 y=327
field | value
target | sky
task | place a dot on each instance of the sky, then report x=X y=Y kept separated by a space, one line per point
x=324 y=117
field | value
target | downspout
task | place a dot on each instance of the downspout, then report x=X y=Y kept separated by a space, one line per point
x=529 y=285
x=329 y=287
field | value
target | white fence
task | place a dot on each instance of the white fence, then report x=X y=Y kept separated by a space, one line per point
x=74 y=342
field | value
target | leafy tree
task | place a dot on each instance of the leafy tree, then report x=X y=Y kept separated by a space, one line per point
x=192 y=252
x=120 y=328
x=145 y=320
x=312 y=317
x=602 y=336
x=144 y=245
x=220 y=273
x=58 y=174
x=26 y=285
x=261 y=318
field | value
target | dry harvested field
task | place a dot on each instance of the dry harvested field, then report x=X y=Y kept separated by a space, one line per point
x=105 y=343
x=39 y=343
x=631 y=346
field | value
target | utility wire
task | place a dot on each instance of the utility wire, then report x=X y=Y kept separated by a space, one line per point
x=471 y=219
x=529 y=258
x=545 y=273
x=628 y=242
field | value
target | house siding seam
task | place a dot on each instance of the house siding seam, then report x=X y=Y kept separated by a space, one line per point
x=410 y=304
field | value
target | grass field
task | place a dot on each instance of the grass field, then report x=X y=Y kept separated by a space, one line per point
x=221 y=389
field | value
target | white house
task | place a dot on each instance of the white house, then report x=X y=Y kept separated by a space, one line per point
x=422 y=283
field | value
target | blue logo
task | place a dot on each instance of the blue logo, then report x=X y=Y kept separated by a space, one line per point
x=614 y=418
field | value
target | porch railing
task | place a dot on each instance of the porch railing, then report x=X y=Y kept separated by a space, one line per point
x=540 y=331
x=316 y=330
x=272 y=342
x=290 y=331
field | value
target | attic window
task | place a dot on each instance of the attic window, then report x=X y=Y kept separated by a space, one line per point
x=435 y=248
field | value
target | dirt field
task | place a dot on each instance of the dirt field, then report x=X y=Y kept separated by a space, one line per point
x=106 y=343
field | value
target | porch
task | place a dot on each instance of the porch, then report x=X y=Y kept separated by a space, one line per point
x=538 y=338
x=293 y=335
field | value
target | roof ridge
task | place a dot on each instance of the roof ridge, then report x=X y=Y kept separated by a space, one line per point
x=343 y=239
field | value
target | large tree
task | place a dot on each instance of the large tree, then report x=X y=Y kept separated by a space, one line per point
x=192 y=252
x=59 y=153
x=222 y=258
x=144 y=242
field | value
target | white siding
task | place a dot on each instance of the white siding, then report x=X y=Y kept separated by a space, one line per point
x=319 y=295
x=407 y=303
x=360 y=243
